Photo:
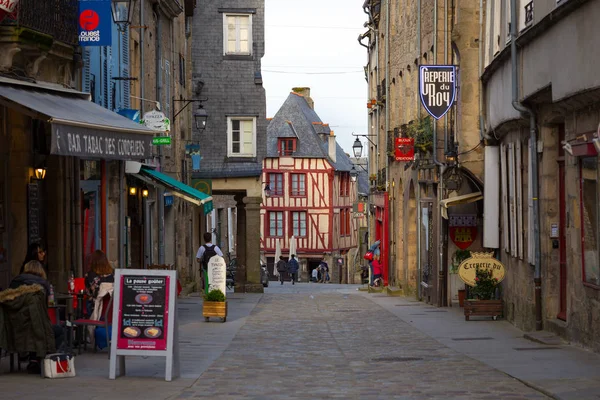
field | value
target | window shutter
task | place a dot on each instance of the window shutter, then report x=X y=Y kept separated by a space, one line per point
x=497 y=25
x=512 y=200
x=519 y=171
x=86 y=73
x=530 y=245
x=505 y=209
x=126 y=85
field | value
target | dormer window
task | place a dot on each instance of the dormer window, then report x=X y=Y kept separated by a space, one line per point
x=286 y=146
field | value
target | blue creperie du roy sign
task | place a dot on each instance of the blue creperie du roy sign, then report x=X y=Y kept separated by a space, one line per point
x=437 y=87
x=95 y=23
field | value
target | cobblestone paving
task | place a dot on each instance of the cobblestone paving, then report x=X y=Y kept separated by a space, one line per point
x=343 y=346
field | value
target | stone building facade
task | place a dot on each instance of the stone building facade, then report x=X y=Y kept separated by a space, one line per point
x=400 y=39
x=226 y=61
x=555 y=44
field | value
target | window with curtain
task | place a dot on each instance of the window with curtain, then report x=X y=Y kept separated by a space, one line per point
x=298 y=185
x=237 y=32
x=276 y=223
x=241 y=135
x=299 y=223
x=276 y=184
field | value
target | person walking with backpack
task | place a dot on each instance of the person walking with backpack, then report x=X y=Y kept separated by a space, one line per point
x=281 y=268
x=293 y=268
x=203 y=256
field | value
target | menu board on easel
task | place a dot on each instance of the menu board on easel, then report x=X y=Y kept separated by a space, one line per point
x=33 y=213
x=144 y=306
x=145 y=321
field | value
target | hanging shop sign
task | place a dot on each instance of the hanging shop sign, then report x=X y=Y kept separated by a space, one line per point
x=467 y=269
x=161 y=140
x=203 y=185
x=437 y=88
x=157 y=121
x=404 y=149
x=7 y=7
x=95 y=23
x=96 y=143
x=145 y=322
x=462 y=230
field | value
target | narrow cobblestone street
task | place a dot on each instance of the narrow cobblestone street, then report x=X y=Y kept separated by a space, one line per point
x=341 y=346
x=316 y=341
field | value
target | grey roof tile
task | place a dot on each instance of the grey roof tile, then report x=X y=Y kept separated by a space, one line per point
x=312 y=134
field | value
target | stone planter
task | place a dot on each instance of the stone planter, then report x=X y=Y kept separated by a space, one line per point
x=214 y=309
x=483 y=308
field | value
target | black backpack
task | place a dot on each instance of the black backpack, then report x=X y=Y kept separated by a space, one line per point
x=209 y=252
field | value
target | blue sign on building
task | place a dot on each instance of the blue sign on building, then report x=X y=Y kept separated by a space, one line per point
x=95 y=20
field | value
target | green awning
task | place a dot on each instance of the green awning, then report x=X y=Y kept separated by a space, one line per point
x=179 y=189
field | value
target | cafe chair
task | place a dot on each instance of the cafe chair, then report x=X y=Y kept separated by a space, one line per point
x=105 y=322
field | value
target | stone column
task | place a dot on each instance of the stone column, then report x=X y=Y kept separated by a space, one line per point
x=253 y=284
x=240 y=251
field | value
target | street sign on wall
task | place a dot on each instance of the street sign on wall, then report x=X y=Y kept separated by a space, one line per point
x=437 y=88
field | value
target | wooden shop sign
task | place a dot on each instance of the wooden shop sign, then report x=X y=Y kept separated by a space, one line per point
x=467 y=269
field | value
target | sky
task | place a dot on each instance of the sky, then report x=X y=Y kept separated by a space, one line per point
x=313 y=43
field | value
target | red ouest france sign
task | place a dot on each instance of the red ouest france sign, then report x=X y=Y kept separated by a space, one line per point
x=404 y=149
x=7 y=7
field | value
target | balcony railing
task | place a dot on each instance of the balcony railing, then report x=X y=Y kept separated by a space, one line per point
x=57 y=18
x=529 y=13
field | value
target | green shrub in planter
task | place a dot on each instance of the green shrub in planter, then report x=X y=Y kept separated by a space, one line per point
x=215 y=295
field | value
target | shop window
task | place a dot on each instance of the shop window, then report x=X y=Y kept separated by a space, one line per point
x=276 y=184
x=299 y=223
x=589 y=220
x=298 y=185
x=276 y=223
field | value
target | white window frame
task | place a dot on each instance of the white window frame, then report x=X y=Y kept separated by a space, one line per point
x=226 y=35
x=488 y=33
x=508 y=20
x=230 y=152
x=496 y=28
x=297 y=229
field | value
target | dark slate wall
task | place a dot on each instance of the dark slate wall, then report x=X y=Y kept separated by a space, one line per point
x=230 y=86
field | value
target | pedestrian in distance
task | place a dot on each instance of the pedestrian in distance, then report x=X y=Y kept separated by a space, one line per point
x=293 y=268
x=377 y=271
x=203 y=256
x=281 y=268
x=376 y=252
x=324 y=270
x=315 y=275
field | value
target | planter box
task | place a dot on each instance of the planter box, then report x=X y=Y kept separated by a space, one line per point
x=484 y=308
x=214 y=309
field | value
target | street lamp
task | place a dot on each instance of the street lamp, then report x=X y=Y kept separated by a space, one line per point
x=40 y=173
x=267 y=190
x=200 y=117
x=357 y=148
x=353 y=173
x=122 y=12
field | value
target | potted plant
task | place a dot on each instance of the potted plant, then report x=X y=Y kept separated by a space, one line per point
x=485 y=305
x=214 y=305
x=458 y=257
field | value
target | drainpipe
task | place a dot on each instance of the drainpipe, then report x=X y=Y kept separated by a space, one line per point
x=387 y=129
x=142 y=74
x=418 y=50
x=160 y=193
x=534 y=164
x=440 y=222
x=482 y=135
x=370 y=130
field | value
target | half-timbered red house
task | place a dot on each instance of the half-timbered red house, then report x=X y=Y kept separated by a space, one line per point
x=310 y=194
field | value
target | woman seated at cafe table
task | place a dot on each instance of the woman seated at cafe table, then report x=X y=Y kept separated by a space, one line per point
x=100 y=272
x=35 y=334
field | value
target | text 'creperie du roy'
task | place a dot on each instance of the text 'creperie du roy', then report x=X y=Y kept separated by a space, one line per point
x=441 y=79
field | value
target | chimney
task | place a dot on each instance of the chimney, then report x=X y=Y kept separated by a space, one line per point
x=332 y=147
x=305 y=92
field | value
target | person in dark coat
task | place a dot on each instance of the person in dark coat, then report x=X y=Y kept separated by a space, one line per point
x=281 y=268
x=28 y=296
x=293 y=268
